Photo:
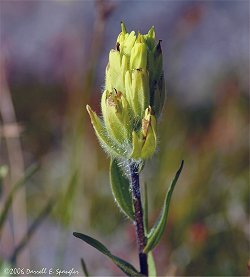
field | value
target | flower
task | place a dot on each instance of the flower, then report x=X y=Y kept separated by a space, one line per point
x=133 y=97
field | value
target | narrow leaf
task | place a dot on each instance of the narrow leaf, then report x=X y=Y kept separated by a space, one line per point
x=93 y=242
x=123 y=265
x=157 y=231
x=151 y=265
x=112 y=148
x=66 y=201
x=4 y=213
x=120 y=189
x=31 y=230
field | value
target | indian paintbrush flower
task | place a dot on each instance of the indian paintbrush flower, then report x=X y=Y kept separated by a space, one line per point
x=133 y=97
x=131 y=104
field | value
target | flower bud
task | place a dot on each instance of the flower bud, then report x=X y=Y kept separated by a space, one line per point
x=133 y=97
x=116 y=115
x=113 y=71
x=157 y=64
x=137 y=91
x=140 y=91
x=159 y=96
x=138 y=58
x=125 y=41
x=145 y=141
x=149 y=38
x=149 y=134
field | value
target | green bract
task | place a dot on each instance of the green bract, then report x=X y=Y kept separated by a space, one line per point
x=133 y=97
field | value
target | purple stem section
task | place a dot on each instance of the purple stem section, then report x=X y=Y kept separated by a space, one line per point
x=140 y=235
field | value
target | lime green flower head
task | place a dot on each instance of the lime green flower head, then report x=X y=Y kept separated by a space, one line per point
x=133 y=97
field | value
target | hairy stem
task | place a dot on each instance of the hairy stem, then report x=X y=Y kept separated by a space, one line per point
x=140 y=235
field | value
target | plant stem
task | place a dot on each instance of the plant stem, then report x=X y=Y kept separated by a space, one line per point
x=141 y=238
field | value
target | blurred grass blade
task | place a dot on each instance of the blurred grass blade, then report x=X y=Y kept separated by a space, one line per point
x=156 y=232
x=3 y=173
x=127 y=268
x=151 y=265
x=84 y=268
x=121 y=190
x=145 y=208
x=65 y=205
x=31 y=230
x=28 y=173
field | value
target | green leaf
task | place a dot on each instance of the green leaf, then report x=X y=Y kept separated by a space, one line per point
x=123 y=265
x=121 y=189
x=151 y=265
x=31 y=230
x=110 y=147
x=66 y=201
x=156 y=232
x=4 y=213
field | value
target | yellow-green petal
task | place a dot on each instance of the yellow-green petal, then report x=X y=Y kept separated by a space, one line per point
x=138 y=58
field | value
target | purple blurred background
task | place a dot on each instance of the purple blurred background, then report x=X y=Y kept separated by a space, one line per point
x=53 y=55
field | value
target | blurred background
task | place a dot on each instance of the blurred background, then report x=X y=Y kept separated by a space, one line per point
x=53 y=174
